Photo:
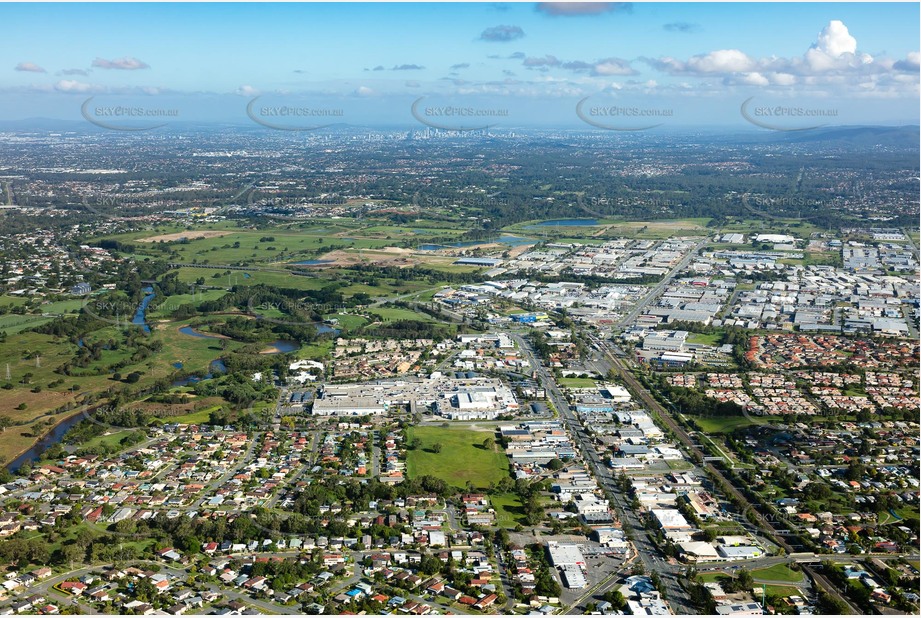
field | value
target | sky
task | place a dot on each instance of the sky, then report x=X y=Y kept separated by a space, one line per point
x=608 y=65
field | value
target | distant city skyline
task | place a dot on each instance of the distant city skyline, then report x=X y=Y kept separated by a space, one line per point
x=622 y=66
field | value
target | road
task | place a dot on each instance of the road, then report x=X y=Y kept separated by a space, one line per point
x=215 y=484
x=650 y=557
x=178 y=574
x=666 y=418
x=660 y=287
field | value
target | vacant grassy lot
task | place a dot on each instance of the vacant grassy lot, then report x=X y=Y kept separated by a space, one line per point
x=509 y=511
x=576 y=382
x=705 y=338
x=727 y=424
x=778 y=573
x=462 y=458
x=393 y=314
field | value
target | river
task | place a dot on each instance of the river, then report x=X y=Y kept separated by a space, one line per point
x=140 y=316
x=52 y=437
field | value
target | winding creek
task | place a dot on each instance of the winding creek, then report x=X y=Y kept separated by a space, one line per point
x=217 y=366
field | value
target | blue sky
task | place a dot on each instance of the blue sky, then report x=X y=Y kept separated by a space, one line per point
x=534 y=62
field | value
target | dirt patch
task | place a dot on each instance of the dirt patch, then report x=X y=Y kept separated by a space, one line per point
x=516 y=251
x=188 y=235
x=387 y=256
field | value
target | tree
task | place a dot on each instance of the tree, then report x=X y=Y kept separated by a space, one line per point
x=436 y=448
x=616 y=599
x=555 y=464
x=489 y=443
x=744 y=580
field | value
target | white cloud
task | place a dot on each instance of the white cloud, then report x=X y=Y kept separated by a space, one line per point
x=123 y=64
x=832 y=61
x=721 y=61
x=247 y=91
x=835 y=39
x=754 y=79
x=911 y=63
x=69 y=85
x=613 y=66
x=30 y=67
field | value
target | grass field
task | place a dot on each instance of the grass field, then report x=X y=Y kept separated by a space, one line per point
x=164 y=308
x=705 y=338
x=727 y=424
x=778 y=573
x=576 y=382
x=392 y=314
x=109 y=440
x=614 y=228
x=12 y=324
x=315 y=351
x=462 y=458
x=657 y=230
x=800 y=229
x=509 y=511
x=278 y=245
x=194 y=418
x=347 y=322
x=816 y=258
x=783 y=591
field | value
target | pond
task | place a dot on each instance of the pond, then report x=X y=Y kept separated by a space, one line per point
x=191 y=332
x=216 y=366
x=281 y=347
